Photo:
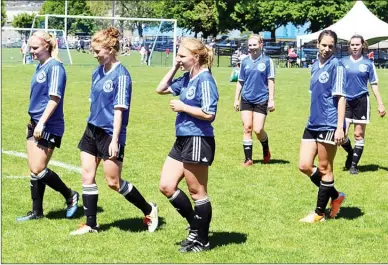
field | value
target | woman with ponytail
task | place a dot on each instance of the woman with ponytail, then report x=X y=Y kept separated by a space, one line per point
x=254 y=97
x=106 y=132
x=47 y=125
x=194 y=148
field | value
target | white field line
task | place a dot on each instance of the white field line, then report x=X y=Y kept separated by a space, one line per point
x=52 y=162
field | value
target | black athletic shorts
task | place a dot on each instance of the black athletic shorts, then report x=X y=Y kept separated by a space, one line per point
x=358 y=110
x=96 y=141
x=319 y=136
x=260 y=108
x=194 y=149
x=48 y=140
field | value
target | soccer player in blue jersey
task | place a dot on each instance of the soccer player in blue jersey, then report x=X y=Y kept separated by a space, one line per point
x=256 y=88
x=106 y=130
x=325 y=126
x=359 y=70
x=194 y=148
x=47 y=125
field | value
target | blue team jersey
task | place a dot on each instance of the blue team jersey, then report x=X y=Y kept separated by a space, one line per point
x=49 y=80
x=200 y=91
x=109 y=91
x=255 y=75
x=328 y=81
x=358 y=72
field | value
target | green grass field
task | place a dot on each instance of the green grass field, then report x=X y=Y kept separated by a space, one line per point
x=255 y=210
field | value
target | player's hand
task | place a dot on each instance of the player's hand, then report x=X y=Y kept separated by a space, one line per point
x=236 y=105
x=381 y=110
x=113 y=149
x=38 y=130
x=339 y=136
x=177 y=105
x=271 y=105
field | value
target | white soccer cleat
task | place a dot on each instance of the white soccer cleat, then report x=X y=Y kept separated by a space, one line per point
x=152 y=219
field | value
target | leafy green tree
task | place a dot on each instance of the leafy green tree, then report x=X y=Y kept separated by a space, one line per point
x=3 y=13
x=196 y=16
x=75 y=7
x=322 y=14
x=379 y=8
x=24 y=20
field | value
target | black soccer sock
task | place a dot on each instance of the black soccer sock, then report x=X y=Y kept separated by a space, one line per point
x=90 y=199
x=50 y=178
x=347 y=146
x=357 y=152
x=37 y=194
x=182 y=204
x=129 y=191
x=316 y=177
x=247 y=145
x=264 y=143
x=323 y=196
x=202 y=217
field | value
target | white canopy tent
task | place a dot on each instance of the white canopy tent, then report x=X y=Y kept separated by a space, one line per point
x=359 y=20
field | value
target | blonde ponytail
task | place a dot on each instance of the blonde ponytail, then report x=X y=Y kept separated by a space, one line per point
x=51 y=40
x=196 y=47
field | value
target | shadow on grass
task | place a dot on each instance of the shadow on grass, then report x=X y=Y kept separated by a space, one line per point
x=272 y=161
x=371 y=167
x=218 y=239
x=60 y=214
x=349 y=213
x=130 y=224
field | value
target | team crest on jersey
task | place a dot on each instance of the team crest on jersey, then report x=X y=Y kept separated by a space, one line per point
x=108 y=86
x=190 y=94
x=362 y=68
x=324 y=77
x=261 y=67
x=41 y=77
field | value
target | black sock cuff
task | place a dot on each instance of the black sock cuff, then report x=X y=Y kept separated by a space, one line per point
x=202 y=201
x=327 y=183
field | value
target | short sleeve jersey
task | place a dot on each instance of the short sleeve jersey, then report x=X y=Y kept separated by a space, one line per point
x=255 y=75
x=358 y=73
x=199 y=91
x=49 y=80
x=327 y=83
x=110 y=90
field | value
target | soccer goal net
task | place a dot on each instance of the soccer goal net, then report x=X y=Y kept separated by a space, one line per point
x=144 y=41
x=14 y=45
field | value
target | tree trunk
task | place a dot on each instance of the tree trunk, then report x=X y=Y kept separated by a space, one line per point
x=273 y=35
x=140 y=29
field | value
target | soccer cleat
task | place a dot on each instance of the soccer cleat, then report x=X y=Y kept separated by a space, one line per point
x=313 y=218
x=267 y=157
x=336 y=204
x=152 y=219
x=190 y=239
x=29 y=216
x=348 y=162
x=247 y=163
x=84 y=229
x=196 y=246
x=72 y=204
x=353 y=170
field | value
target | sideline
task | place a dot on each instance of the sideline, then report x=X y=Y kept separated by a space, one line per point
x=52 y=162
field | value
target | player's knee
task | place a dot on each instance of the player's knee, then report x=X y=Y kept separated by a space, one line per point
x=167 y=189
x=37 y=169
x=358 y=136
x=247 y=128
x=305 y=168
x=114 y=185
x=259 y=130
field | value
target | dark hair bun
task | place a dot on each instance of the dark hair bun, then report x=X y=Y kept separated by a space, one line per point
x=113 y=32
